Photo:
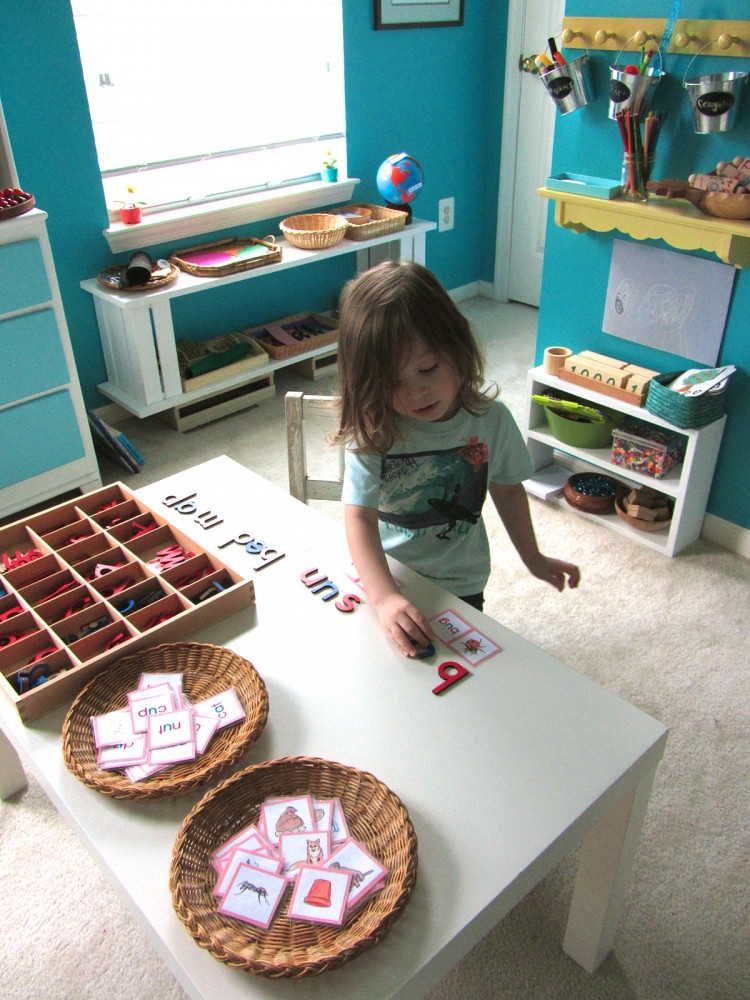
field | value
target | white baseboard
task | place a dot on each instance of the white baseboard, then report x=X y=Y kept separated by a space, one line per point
x=727 y=535
x=464 y=292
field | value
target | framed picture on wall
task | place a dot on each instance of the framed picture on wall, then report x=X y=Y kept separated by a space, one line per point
x=418 y=14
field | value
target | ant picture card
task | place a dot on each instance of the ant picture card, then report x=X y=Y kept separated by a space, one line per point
x=320 y=896
x=253 y=896
x=330 y=816
x=287 y=815
x=366 y=871
x=299 y=849
x=241 y=857
x=112 y=727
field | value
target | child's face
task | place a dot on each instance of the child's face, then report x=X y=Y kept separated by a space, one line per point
x=426 y=385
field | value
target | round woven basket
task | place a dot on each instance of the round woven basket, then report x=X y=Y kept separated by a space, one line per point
x=658 y=524
x=314 y=232
x=680 y=410
x=292 y=949
x=206 y=670
x=592 y=492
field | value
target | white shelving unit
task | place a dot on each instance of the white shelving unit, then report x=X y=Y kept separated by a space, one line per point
x=137 y=332
x=687 y=484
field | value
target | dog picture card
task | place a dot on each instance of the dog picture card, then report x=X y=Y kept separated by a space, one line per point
x=253 y=896
x=299 y=849
x=320 y=896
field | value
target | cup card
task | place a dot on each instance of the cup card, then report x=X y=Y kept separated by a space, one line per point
x=320 y=896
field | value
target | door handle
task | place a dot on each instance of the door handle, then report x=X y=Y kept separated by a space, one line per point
x=527 y=64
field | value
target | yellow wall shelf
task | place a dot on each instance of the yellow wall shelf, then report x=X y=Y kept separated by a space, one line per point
x=673 y=220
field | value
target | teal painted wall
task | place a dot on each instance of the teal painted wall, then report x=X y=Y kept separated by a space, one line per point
x=436 y=93
x=576 y=267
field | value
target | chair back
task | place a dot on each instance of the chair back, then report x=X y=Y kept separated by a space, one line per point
x=299 y=407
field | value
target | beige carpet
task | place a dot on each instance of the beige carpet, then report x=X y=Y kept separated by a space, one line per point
x=668 y=635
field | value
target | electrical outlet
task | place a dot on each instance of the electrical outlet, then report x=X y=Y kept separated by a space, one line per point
x=446 y=214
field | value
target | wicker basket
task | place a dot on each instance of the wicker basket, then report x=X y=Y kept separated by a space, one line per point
x=382 y=221
x=355 y=215
x=314 y=232
x=592 y=492
x=681 y=410
x=376 y=817
x=264 y=336
x=662 y=520
x=206 y=670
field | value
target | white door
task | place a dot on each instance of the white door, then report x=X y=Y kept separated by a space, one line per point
x=528 y=131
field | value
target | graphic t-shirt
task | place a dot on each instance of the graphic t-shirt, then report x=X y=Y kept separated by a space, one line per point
x=430 y=488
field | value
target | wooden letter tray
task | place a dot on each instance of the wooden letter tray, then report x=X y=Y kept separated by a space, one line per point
x=82 y=588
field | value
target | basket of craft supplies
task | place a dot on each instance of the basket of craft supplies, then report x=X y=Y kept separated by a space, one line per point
x=314 y=232
x=687 y=410
x=288 y=948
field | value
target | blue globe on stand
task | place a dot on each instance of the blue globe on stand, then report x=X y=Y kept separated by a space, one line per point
x=399 y=180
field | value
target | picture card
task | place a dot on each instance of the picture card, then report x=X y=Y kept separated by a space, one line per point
x=241 y=857
x=366 y=871
x=299 y=849
x=112 y=727
x=329 y=815
x=320 y=896
x=253 y=896
x=287 y=815
x=475 y=647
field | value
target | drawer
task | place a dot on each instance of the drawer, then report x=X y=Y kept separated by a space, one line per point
x=23 y=276
x=38 y=436
x=31 y=356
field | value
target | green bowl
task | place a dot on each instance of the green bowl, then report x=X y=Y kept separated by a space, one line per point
x=580 y=434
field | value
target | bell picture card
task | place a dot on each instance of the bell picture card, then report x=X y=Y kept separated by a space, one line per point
x=287 y=815
x=241 y=857
x=299 y=849
x=366 y=871
x=320 y=896
x=475 y=647
x=329 y=815
x=112 y=727
x=253 y=896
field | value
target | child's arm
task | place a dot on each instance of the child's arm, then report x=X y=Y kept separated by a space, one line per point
x=400 y=619
x=513 y=507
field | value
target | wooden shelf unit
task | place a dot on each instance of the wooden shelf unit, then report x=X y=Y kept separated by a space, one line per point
x=687 y=484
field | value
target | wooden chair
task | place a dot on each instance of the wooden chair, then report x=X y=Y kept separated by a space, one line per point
x=298 y=406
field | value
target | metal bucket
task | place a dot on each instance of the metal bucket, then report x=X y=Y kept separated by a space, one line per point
x=714 y=100
x=630 y=91
x=568 y=85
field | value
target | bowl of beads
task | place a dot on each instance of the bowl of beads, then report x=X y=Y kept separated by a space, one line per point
x=592 y=492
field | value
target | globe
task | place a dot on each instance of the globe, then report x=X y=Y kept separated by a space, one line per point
x=399 y=179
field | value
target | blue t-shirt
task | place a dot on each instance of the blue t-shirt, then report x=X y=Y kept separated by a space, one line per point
x=430 y=488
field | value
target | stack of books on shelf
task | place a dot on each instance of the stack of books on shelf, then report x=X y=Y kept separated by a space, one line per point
x=114 y=444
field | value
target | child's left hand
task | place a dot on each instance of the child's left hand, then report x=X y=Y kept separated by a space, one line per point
x=554 y=571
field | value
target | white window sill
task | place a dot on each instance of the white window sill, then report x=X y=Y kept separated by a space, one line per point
x=183 y=223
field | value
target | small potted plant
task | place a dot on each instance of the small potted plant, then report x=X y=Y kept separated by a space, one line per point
x=130 y=210
x=331 y=170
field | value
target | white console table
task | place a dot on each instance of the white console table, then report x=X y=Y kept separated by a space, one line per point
x=137 y=332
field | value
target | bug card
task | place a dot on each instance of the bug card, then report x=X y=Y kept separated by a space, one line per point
x=113 y=727
x=241 y=857
x=253 y=896
x=320 y=896
x=330 y=816
x=299 y=849
x=475 y=647
x=226 y=707
x=448 y=626
x=287 y=815
x=366 y=871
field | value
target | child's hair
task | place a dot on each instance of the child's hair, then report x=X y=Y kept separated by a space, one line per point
x=380 y=313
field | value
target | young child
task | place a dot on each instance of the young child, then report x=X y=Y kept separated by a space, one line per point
x=424 y=443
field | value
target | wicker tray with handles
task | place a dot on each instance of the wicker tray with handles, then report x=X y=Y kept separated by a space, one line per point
x=292 y=949
x=207 y=670
x=227 y=256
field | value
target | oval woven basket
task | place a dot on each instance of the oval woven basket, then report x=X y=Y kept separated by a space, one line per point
x=314 y=232
x=206 y=670
x=292 y=949
x=680 y=410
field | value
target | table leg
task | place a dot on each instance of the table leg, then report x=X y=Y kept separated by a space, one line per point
x=606 y=861
x=12 y=774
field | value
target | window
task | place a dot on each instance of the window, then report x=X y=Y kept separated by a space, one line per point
x=196 y=102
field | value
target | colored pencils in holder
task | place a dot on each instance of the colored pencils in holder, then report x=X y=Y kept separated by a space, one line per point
x=639 y=149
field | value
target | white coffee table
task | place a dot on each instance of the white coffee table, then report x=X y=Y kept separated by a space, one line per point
x=502 y=775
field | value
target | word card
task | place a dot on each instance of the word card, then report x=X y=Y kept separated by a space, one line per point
x=463 y=638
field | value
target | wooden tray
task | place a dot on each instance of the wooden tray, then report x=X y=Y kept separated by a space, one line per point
x=189 y=351
x=264 y=335
x=227 y=256
x=601 y=387
x=376 y=817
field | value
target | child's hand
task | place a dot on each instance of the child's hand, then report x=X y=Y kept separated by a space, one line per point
x=405 y=624
x=554 y=571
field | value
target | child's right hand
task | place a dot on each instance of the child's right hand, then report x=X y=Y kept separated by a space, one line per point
x=405 y=624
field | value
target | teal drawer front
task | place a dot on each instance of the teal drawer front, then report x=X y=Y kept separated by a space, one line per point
x=37 y=437
x=32 y=359
x=23 y=279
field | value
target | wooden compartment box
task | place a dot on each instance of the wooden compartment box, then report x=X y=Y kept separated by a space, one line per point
x=82 y=584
